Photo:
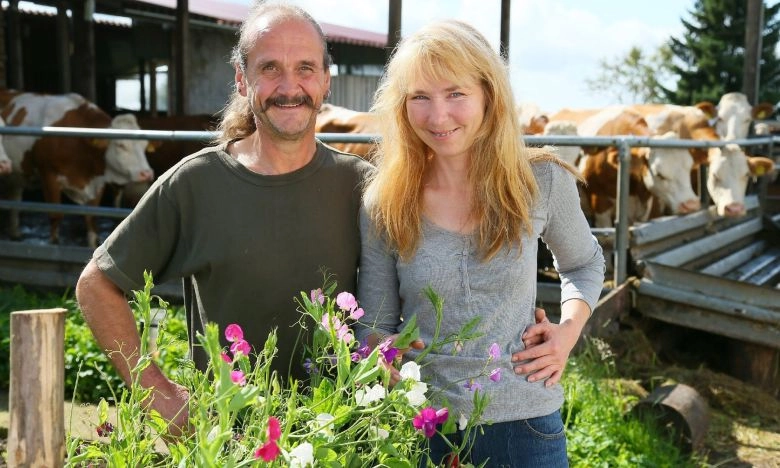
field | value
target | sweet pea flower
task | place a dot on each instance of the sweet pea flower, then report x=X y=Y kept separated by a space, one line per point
x=494 y=351
x=472 y=385
x=366 y=396
x=346 y=301
x=342 y=330
x=495 y=375
x=410 y=370
x=226 y=358
x=378 y=432
x=302 y=456
x=104 y=429
x=322 y=423
x=416 y=395
x=234 y=333
x=268 y=451
x=356 y=314
x=362 y=352
x=427 y=420
x=240 y=346
x=274 y=430
x=316 y=295
x=387 y=350
x=463 y=421
x=238 y=378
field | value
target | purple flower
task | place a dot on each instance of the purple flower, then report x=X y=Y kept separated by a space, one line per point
x=234 y=333
x=316 y=295
x=427 y=420
x=494 y=351
x=308 y=366
x=495 y=375
x=362 y=352
x=105 y=429
x=472 y=385
x=387 y=350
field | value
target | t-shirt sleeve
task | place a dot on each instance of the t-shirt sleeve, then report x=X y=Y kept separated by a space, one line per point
x=377 y=283
x=578 y=257
x=144 y=241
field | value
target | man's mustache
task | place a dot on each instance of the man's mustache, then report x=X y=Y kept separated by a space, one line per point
x=287 y=101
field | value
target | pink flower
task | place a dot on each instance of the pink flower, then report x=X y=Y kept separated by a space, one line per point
x=427 y=419
x=473 y=385
x=226 y=358
x=240 y=346
x=234 y=333
x=495 y=375
x=268 y=451
x=346 y=301
x=238 y=378
x=105 y=429
x=342 y=330
x=316 y=295
x=356 y=314
x=495 y=352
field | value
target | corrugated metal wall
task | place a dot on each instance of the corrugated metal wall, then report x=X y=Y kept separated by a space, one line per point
x=353 y=92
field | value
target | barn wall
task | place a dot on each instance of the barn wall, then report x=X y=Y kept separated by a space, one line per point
x=211 y=76
x=353 y=92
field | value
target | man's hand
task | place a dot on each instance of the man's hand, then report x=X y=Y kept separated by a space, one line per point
x=171 y=400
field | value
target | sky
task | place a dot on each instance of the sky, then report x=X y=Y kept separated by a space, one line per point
x=554 y=45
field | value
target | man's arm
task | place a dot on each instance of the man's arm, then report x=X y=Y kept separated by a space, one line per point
x=108 y=315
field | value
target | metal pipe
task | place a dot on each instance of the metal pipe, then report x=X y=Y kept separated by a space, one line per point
x=621 y=215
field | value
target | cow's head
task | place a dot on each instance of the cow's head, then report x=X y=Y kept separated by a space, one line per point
x=729 y=171
x=570 y=154
x=5 y=161
x=734 y=116
x=126 y=159
x=668 y=177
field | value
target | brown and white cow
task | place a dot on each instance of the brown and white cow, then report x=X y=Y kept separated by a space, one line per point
x=336 y=119
x=79 y=167
x=729 y=168
x=658 y=177
x=5 y=161
x=734 y=115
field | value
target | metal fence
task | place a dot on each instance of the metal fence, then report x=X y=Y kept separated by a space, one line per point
x=619 y=234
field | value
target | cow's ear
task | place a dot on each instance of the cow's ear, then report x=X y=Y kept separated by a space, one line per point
x=759 y=165
x=763 y=110
x=708 y=108
x=99 y=143
x=152 y=146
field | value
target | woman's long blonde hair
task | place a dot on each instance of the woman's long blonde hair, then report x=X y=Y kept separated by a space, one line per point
x=504 y=187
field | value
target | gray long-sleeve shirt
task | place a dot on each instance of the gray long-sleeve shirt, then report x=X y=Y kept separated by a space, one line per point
x=501 y=291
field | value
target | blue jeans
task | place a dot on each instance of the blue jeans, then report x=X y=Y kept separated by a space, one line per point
x=535 y=442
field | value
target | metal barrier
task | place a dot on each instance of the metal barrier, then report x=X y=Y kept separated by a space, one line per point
x=620 y=233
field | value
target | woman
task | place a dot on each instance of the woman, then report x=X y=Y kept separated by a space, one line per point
x=458 y=203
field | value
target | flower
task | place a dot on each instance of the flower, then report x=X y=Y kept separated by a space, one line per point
x=302 y=456
x=427 y=419
x=416 y=395
x=356 y=314
x=240 y=346
x=268 y=451
x=494 y=351
x=226 y=358
x=387 y=350
x=233 y=333
x=316 y=295
x=472 y=385
x=342 y=330
x=463 y=421
x=104 y=429
x=238 y=378
x=410 y=370
x=362 y=352
x=495 y=374
x=346 y=301
x=364 y=397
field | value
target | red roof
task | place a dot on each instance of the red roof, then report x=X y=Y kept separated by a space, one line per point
x=235 y=13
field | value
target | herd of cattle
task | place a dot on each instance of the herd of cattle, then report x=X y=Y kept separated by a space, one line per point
x=660 y=177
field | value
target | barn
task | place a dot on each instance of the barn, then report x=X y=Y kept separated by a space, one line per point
x=125 y=55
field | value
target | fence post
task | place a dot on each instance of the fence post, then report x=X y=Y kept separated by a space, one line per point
x=36 y=435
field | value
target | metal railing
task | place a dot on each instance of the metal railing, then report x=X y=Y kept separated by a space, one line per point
x=620 y=232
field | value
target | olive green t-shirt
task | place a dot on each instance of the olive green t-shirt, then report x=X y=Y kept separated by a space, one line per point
x=245 y=244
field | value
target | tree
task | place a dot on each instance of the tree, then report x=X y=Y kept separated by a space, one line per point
x=634 y=78
x=709 y=58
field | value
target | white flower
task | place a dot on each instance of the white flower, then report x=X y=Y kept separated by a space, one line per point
x=462 y=422
x=416 y=395
x=302 y=456
x=378 y=432
x=410 y=370
x=322 y=423
x=212 y=434
x=364 y=397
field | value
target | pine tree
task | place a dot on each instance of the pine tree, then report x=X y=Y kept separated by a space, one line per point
x=710 y=56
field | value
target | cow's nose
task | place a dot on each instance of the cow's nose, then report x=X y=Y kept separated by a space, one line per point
x=145 y=175
x=5 y=167
x=689 y=206
x=735 y=209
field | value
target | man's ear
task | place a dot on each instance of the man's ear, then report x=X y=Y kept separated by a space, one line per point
x=240 y=83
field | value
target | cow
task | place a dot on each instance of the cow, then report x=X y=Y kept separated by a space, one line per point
x=77 y=166
x=729 y=168
x=336 y=119
x=658 y=177
x=5 y=161
x=570 y=154
x=734 y=115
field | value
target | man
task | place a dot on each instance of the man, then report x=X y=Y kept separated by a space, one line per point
x=249 y=223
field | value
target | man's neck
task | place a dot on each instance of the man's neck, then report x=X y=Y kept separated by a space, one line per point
x=271 y=156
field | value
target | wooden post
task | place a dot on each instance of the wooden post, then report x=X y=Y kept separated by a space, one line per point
x=36 y=436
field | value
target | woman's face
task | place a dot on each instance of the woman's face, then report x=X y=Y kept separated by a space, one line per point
x=446 y=116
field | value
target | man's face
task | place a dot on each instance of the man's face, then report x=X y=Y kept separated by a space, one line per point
x=285 y=80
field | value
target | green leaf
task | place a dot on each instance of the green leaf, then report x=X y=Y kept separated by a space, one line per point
x=409 y=333
x=396 y=463
x=102 y=411
x=245 y=397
